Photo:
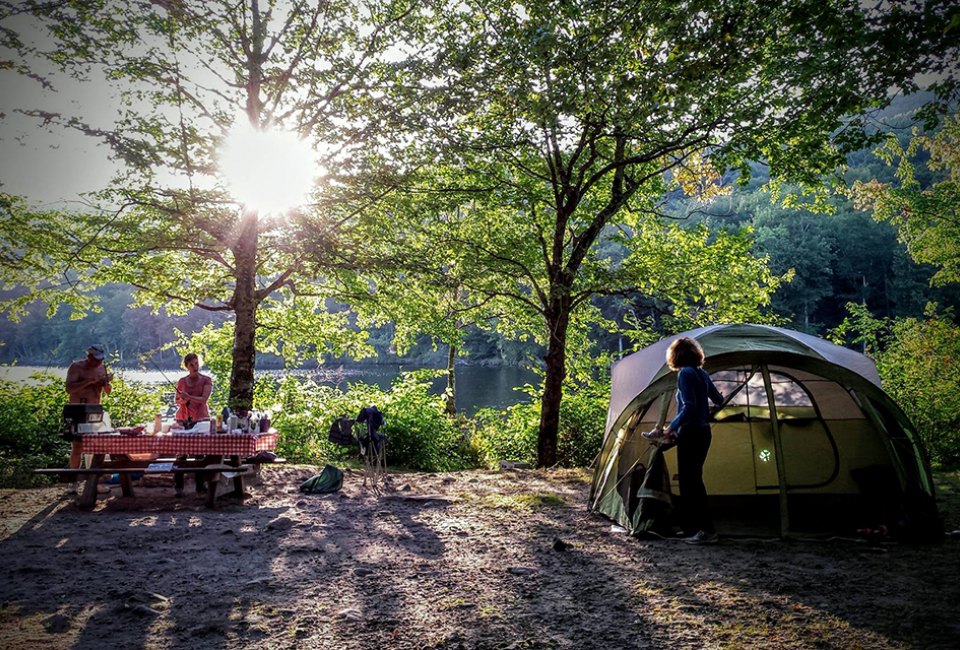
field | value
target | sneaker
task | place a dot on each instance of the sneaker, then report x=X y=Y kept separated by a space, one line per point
x=653 y=435
x=702 y=537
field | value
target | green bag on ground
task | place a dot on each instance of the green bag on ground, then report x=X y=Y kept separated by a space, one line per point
x=330 y=479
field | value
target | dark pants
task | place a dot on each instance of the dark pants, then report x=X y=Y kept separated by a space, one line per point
x=692 y=447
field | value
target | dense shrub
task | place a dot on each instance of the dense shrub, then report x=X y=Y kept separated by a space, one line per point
x=30 y=412
x=511 y=434
x=919 y=367
x=583 y=415
x=420 y=435
x=917 y=359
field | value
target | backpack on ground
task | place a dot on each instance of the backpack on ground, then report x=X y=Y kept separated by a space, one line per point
x=330 y=479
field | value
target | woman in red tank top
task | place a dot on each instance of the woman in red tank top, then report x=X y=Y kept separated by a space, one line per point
x=193 y=391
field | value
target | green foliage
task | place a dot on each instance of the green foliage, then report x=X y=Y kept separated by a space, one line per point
x=288 y=329
x=420 y=435
x=31 y=411
x=131 y=402
x=555 y=123
x=926 y=217
x=861 y=327
x=919 y=366
x=33 y=255
x=511 y=434
x=179 y=77
x=781 y=234
x=303 y=412
x=917 y=360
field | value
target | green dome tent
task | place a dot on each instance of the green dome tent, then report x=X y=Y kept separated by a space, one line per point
x=807 y=442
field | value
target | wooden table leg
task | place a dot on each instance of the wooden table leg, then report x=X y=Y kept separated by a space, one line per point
x=213 y=482
x=213 y=479
x=126 y=485
x=88 y=498
x=238 y=479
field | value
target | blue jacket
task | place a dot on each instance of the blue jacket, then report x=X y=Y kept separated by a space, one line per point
x=693 y=388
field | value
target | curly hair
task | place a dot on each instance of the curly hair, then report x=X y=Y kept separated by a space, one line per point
x=683 y=352
x=188 y=358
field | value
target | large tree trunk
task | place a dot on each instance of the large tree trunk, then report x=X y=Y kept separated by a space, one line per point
x=245 y=300
x=558 y=319
x=451 y=380
x=245 y=308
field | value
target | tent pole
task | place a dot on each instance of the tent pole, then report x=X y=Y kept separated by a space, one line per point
x=778 y=448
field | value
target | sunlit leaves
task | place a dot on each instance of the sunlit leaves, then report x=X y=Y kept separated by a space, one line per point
x=178 y=74
x=926 y=218
x=916 y=359
x=703 y=277
x=37 y=250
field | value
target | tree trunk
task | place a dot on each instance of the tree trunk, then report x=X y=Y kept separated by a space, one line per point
x=245 y=300
x=558 y=318
x=451 y=381
x=245 y=308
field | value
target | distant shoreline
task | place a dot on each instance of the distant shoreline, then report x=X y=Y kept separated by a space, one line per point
x=404 y=363
x=477 y=386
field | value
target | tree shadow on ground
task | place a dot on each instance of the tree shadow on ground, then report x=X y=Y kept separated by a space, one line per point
x=482 y=569
x=134 y=573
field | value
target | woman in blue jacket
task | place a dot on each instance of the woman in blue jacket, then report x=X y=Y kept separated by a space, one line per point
x=691 y=430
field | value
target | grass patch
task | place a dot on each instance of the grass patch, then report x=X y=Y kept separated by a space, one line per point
x=524 y=501
x=456 y=603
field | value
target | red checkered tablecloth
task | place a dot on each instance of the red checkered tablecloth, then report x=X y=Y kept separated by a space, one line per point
x=243 y=444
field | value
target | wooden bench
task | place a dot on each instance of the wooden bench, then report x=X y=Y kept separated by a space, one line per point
x=144 y=470
x=92 y=475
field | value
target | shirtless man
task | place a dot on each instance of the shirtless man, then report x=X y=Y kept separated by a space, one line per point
x=86 y=380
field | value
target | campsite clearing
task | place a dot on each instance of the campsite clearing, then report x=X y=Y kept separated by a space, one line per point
x=475 y=565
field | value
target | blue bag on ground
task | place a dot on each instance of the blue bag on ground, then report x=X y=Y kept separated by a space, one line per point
x=330 y=479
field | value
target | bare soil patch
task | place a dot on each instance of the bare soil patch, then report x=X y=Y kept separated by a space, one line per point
x=478 y=560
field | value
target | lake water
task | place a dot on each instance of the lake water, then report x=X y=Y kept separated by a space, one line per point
x=477 y=387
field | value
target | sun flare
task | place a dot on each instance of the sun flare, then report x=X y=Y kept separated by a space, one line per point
x=268 y=171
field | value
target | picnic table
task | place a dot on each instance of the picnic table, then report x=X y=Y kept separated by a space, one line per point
x=210 y=455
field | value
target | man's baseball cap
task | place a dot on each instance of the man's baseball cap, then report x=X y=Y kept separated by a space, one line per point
x=96 y=351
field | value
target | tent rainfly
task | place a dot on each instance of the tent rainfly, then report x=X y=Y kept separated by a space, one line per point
x=807 y=442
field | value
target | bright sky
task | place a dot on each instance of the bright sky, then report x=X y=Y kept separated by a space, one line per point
x=50 y=164
x=53 y=165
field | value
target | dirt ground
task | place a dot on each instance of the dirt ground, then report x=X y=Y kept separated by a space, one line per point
x=487 y=560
